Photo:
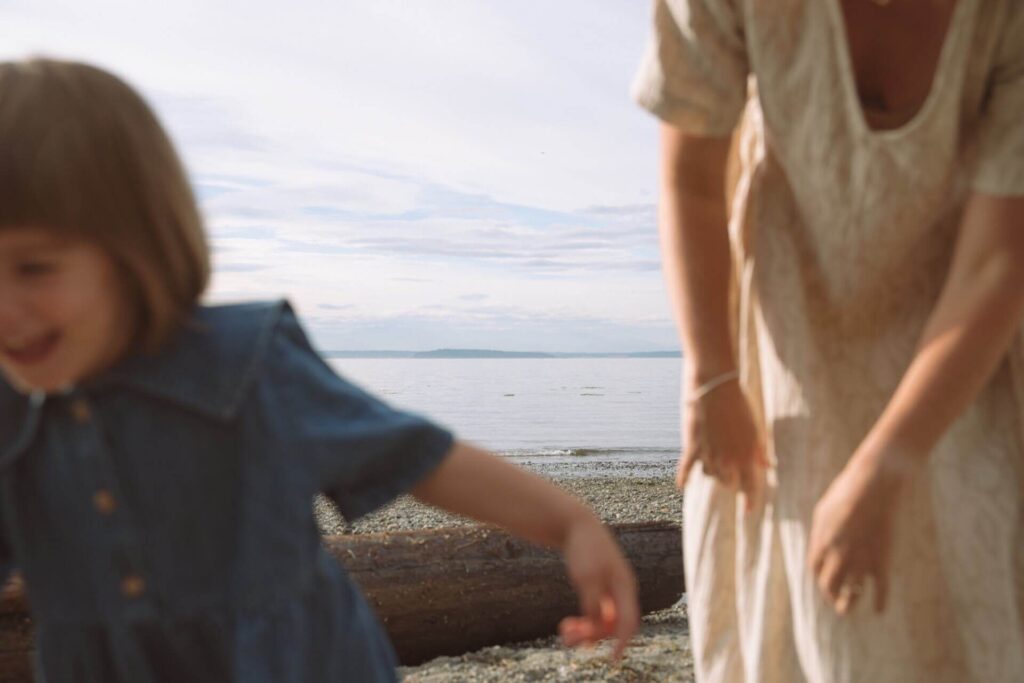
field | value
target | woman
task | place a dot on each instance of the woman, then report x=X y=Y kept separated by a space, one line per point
x=855 y=363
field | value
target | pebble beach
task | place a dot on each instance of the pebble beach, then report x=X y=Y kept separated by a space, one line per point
x=661 y=650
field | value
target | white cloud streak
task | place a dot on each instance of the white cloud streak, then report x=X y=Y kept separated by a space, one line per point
x=383 y=160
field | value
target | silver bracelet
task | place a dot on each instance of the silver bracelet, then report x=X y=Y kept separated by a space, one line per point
x=712 y=384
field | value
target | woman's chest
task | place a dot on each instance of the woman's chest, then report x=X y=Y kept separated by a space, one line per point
x=895 y=51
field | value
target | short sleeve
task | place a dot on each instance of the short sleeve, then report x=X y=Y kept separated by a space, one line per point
x=361 y=452
x=694 y=72
x=1000 y=160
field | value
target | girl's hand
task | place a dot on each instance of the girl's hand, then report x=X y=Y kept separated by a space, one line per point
x=606 y=587
x=851 y=532
x=474 y=483
x=721 y=433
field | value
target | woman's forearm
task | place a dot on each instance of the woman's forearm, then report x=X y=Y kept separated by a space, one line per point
x=474 y=483
x=978 y=314
x=695 y=248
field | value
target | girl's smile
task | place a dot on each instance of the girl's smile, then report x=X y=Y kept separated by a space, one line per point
x=63 y=310
x=34 y=351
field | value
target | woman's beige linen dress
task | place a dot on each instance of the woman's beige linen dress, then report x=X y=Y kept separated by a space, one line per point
x=842 y=237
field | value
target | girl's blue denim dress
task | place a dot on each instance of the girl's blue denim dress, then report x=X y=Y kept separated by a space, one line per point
x=161 y=514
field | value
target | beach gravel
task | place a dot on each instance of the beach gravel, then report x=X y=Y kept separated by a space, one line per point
x=660 y=652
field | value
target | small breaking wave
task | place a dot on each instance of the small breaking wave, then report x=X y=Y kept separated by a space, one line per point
x=586 y=452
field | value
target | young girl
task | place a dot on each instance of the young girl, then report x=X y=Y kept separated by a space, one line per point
x=158 y=458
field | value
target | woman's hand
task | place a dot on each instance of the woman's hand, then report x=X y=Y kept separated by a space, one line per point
x=851 y=532
x=606 y=587
x=721 y=433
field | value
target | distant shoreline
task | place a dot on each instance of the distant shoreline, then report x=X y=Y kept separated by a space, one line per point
x=488 y=353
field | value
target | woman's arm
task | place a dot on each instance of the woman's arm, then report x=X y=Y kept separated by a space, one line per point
x=474 y=483
x=720 y=430
x=967 y=335
x=695 y=248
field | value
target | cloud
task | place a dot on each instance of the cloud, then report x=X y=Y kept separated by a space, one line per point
x=242 y=267
x=376 y=159
x=363 y=213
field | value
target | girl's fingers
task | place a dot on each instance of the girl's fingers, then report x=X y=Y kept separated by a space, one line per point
x=590 y=600
x=616 y=614
x=627 y=611
x=576 y=630
x=568 y=631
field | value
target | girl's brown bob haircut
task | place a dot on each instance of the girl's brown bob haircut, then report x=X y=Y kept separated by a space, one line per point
x=81 y=153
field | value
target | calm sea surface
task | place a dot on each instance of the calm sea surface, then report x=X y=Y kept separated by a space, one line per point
x=572 y=416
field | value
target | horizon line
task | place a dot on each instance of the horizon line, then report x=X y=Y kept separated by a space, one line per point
x=462 y=352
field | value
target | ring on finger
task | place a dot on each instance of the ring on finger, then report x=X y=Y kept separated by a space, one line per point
x=851 y=589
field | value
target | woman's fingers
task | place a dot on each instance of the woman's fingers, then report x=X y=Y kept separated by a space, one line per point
x=721 y=434
x=831 y=575
x=848 y=595
x=881 y=591
x=686 y=463
x=751 y=486
x=880 y=578
x=727 y=474
x=849 y=592
x=762 y=457
x=842 y=584
x=709 y=467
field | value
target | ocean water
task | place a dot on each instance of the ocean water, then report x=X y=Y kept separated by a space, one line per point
x=563 y=416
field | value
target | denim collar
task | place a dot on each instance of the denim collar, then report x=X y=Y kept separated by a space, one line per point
x=206 y=367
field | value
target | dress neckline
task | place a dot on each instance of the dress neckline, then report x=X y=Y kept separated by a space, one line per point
x=848 y=75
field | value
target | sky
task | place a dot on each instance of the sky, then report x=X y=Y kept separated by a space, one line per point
x=411 y=174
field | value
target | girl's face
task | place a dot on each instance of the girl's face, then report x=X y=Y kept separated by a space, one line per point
x=64 y=313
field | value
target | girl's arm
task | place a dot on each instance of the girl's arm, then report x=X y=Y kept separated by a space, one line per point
x=970 y=329
x=474 y=483
x=720 y=429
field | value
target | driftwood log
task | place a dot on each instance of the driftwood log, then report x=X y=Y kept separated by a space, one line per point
x=450 y=591
x=444 y=591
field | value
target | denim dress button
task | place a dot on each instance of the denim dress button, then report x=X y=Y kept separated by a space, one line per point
x=80 y=411
x=104 y=502
x=133 y=586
